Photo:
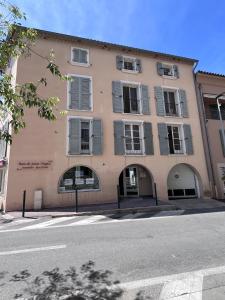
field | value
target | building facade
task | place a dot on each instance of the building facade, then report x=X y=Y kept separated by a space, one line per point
x=132 y=121
x=209 y=86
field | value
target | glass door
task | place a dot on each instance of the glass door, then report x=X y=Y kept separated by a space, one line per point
x=131 y=182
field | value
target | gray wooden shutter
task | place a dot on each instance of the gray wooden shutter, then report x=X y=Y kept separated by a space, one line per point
x=76 y=55
x=188 y=139
x=138 y=64
x=145 y=99
x=3 y=144
x=176 y=71
x=74 y=136
x=159 y=67
x=160 y=106
x=222 y=144
x=117 y=96
x=183 y=103
x=97 y=137
x=85 y=90
x=163 y=139
x=119 y=138
x=119 y=62
x=74 y=93
x=148 y=138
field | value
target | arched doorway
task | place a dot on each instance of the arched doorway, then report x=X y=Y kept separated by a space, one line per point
x=135 y=181
x=183 y=182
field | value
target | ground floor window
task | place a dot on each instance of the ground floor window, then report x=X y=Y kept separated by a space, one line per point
x=79 y=177
x=175 y=139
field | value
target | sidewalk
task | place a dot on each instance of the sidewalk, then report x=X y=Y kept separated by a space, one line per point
x=129 y=206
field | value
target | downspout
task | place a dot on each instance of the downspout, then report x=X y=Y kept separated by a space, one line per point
x=205 y=137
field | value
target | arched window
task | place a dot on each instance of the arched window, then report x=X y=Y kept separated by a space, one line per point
x=80 y=177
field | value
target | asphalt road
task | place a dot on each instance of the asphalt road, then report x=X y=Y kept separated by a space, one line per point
x=165 y=258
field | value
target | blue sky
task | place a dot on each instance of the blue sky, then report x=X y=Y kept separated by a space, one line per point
x=192 y=28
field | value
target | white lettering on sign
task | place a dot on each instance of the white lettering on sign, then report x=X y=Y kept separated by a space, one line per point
x=34 y=165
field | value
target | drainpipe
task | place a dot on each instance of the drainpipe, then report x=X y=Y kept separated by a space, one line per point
x=205 y=137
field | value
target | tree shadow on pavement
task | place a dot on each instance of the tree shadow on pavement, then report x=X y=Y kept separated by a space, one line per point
x=87 y=284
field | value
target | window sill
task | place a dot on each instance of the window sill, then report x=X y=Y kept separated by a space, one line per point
x=169 y=77
x=130 y=71
x=80 y=64
x=81 y=155
x=133 y=114
x=177 y=154
x=176 y=117
x=134 y=154
x=73 y=191
x=85 y=110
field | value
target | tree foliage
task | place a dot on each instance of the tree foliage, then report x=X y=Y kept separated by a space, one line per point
x=15 y=41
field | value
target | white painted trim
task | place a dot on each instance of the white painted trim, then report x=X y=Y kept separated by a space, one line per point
x=91 y=92
x=77 y=63
x=213 y=96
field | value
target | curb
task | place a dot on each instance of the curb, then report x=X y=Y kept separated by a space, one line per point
x=121 y=210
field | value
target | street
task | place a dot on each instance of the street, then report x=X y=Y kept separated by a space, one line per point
x=168 y=257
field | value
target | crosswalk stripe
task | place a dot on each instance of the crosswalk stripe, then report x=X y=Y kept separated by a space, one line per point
x=48 y=223
x=89 y=220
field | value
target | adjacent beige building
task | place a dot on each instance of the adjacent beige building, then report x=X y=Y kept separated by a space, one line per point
x=132 y=121
x=209 y=86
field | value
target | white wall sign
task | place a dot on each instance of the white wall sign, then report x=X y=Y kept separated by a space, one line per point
x=68 y=181
x=90 y=180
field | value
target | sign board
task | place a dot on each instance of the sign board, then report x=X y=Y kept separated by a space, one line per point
x=68 y=182
x=79 y=181
x=90 y=180
x=34 y=165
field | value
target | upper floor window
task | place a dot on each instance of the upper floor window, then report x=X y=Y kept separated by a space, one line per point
x=171 y=102
x=175 y=139
x=80 y=92
x=80 y=56
x=130 y=98
x=133 y=138
x=127 y=63
x=167 y=70
x=85 y=136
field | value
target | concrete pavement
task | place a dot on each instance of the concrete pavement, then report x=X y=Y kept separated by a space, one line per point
x=152 y=255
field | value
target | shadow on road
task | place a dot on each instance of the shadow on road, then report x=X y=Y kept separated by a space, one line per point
x=85 y=284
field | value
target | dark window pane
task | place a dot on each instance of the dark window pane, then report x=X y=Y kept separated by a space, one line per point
x=190 y=192
x=178 y=192
x=133 y=99
x=126 y=99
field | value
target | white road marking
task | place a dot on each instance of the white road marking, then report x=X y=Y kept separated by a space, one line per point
x=169 y=213
x=17 y=222
x=189 y=288
x=48 y=223
x=139 y=284
x=32 y=250
x=87 y=221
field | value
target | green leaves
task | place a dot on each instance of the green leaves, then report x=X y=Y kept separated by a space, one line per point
x=15 y=100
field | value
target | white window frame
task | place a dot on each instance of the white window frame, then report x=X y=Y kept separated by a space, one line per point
x=165 y=64
x=134 y=59
x=90 y=119
x=138 y=86
x=181 y=137
x=77 y=63
x=141 y=135
x=91 y=92
x=177 y=100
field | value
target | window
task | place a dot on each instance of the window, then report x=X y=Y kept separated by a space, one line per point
x=130 y=100
x=81 y=178
x=85 y=136
x=168 y=70
x=129 y=64
x=80 y=93
x=170 y=102
x=175 y=139
x=80 y=56
x=133 y=141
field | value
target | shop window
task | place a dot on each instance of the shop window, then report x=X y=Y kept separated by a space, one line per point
x=81 y=178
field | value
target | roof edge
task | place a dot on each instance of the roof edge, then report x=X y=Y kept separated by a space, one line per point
x=107 y=44
x=210 y=74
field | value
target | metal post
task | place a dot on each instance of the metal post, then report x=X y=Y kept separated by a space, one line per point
x=76 y=199
x=118 y=196
x=156 y=196
x=24 y=204
x=221 y=120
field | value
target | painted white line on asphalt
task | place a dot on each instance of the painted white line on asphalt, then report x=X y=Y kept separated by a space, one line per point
x=138 y=284
x=186 y=289
x=32 y=250
x=87 y=221
x=48 y=223
x=169 y=213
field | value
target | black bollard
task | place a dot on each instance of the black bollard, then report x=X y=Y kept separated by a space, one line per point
x=24 y=204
